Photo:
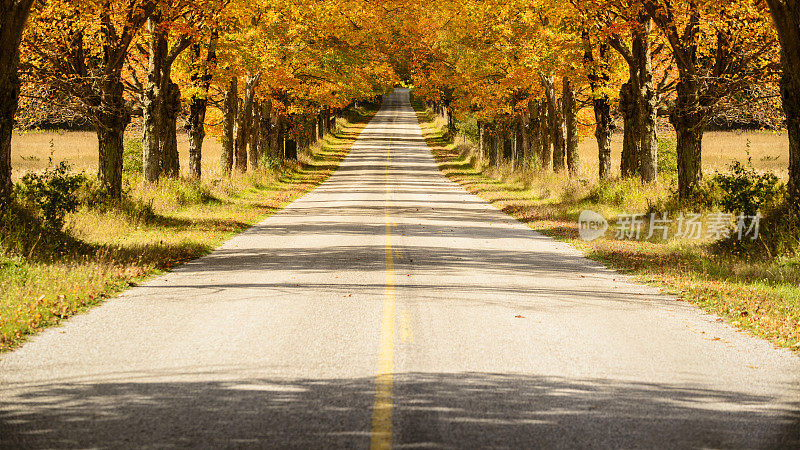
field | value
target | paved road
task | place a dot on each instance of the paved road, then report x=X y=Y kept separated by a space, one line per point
x=390 y=306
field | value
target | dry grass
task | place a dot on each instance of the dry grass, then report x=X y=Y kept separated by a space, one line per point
x=769 y=151
x=157 y=227
x=30 y=151
x=760 y=296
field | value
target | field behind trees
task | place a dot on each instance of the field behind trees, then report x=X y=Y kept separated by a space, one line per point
x=30 y=151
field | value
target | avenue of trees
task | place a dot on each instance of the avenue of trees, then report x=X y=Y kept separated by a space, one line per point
x=269 y=76
x=537 y=75
x=266 y=77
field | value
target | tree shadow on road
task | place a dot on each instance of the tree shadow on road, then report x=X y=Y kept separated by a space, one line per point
x=431 y=410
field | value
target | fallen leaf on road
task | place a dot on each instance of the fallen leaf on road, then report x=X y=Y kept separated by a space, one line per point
x=519 y=317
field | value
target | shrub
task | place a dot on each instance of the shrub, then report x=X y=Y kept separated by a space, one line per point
x=779 y=229
x=707 y=195
x=270 y=162
x=619 y=192
x=777 y=235
x=667 y=157
x=132 y=157
x=746 y=191
x=53 y=193
x=22 y=233
x=190 y=193
x=468 y=129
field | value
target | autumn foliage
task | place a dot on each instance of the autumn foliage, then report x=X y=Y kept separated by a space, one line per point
x=269 y=77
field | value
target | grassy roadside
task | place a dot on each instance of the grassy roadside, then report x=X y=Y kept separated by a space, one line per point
x=762 y=297
x=104 y=250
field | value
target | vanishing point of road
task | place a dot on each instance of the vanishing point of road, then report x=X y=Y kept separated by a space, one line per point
x=391 y=307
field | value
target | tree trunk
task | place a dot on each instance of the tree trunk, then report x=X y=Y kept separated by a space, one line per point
x=310 y=132
x=9 y=98
x=690 y=140
x=264 y=129
x=544 y=130
x=195 y=127
x=243 y=123
x=255 y=133
x=486 y=147
x=491 y=147
x=480 y=140
x=230 y=105
x=303 y=135
x=695 y=98
x=790 y=92
x=451 y=121
x=603 y=132
x=519 y=141
x=503 y=144
x=321 y=125
x=689 y=122
x=200 y=78
x=161 y=101
x=556 y=125
x=110 y=146
x=153 y=97
x=535 y=132
x=647 y=103
x=277 y=146
x=786 y=15
x=12 y=22
x=241 y=128
x=525 y=128
x=170 y=164
x=197 y=133
x=571 y=122
x=507 y=148
x=631 y=141
x=290 y=152
x=111 y=122
x=600 y=82
x=559 y=138
x=639 y=105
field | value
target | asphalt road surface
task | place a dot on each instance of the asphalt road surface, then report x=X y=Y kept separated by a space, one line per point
x=389 y=306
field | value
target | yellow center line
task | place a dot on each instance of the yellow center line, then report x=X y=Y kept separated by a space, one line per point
x=381 y=437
